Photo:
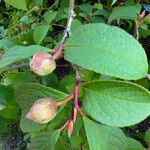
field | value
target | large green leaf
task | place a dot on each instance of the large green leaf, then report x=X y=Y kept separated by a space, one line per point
x=44 y=141
x=6 y=44
x=116 y=103
x=18 y=53
x=127 y=12
x=19 y=4
x=40 y=32
x=26 y=95
x=107 y=50
x=132 y=144
x=102 y=137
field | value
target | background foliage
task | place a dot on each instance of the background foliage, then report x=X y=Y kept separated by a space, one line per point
x=109 y=56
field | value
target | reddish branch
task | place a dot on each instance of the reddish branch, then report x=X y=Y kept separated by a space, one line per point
x=69 y=98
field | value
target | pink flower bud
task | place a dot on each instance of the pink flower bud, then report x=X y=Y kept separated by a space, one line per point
x=42 y=64
x=43 y=110
x=70 y=127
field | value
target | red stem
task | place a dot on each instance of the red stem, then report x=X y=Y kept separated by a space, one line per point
x=75 y=92
x=58 y=51
x=69 y=98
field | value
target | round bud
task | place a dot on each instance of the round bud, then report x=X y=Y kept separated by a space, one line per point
x=43 y=110
x=42 y=64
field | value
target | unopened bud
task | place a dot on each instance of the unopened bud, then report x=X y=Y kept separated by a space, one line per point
x=43 y=110
x=70 y=127
x=42 y=64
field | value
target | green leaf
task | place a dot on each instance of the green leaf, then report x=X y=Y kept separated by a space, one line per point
x=18 y=53
x=7 y=102
x=6 y=44
x=132 y=144
x=102 y=137
x=98 y=6
x=51 y=80
x=127 y=12
x=26 y=19
x=44 y=141
x=86 y=7
x=66 y=81
x=116 y=103
x=76 y=141
x=26 y=95
x=50 y=16
x=40 y=33
x=107 y=50
x=4 y=125
x=19 y=4
x=147 y=137
x=18 y=78
x=76 y=23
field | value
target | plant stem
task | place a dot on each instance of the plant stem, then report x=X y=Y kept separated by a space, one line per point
x=64 y=126
x=67 y=31
x=136 y=32
x=16 y=67
x=71 y=16
x=70 y=97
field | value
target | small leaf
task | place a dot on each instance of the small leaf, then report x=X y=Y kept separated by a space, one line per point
x=116 y=103
x=132 y=144
x=26 y=95
x=107 y=50
x=86 y=7
x=50 y=16
x=40 y=33
x=18 y=53
x=19 y=4
x=102 y=137
x=44 y=141
x=126 y=12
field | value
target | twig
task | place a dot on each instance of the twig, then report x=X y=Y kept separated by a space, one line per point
x=16 y=67
x=71 y=16
x=137 y=24
x=58 y=25
x=67 y=31
x=136 y=32
x=69 y=98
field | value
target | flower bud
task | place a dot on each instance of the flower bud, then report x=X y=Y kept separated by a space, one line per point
x=42 y=64
x=43 y=110
x=70 y=127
